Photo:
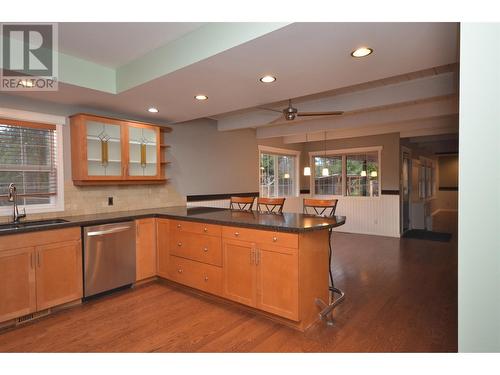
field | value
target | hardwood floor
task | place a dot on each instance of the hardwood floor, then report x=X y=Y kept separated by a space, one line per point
x=401 y=296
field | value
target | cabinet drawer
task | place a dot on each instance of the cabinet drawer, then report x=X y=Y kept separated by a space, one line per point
x=262 y=236
x=177 y=226
x=203 y=248
x=195 y=274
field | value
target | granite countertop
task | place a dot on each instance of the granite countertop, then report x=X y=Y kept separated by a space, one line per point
x=286 y=222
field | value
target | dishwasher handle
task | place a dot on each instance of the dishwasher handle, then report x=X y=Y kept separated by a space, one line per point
x=108 y=231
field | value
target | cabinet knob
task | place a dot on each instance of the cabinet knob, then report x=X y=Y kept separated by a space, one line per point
x=179 y=244
x=205 y=249
x=275 y=239
x=236 y=234
x=178 y=225
x=179 y=270
x=205 y=229
x=206 y=278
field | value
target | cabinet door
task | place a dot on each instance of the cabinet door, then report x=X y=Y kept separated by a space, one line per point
x=58 y=273
x=278 y=281
x=145 y=248
x=17 y=283
x=162 y=243
x=143 y=151
x=239 y=271
x=104 y=149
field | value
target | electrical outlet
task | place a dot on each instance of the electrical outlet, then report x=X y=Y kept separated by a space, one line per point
x=110 y=201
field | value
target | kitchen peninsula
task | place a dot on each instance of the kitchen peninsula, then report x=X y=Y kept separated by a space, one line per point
x=276 y=264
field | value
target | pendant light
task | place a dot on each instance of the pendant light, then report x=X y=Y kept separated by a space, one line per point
x=325 y=172
x=307 y=170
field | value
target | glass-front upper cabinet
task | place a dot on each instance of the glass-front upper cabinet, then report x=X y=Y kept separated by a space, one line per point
x=104 y=149
x=112 y=151
x=143 y=151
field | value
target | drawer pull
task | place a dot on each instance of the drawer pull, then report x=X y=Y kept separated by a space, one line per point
x=179 y=270
x=275 y=239
x=205 y=249
x=236 y=234
x=179 y=226
x=179 y=244
x=206 y=278
x=205 y=229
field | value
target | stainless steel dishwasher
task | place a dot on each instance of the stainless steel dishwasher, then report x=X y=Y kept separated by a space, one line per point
x=109 y=257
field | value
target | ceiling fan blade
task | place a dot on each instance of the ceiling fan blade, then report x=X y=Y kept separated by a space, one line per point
x=270 y=109
x=332 y=113
x=277 y=120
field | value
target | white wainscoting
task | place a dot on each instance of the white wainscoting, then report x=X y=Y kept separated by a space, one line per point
x=377 y=216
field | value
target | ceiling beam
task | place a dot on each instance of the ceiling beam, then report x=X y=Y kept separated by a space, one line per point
x=429 y=126
x=400 y=113
x=372 y=98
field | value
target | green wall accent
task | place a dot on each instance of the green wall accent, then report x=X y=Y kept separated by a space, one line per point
x=202 y=43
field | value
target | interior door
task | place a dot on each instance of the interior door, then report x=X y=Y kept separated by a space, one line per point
x=58 y=274
x=278 y=281
x=17 y=283
x=239 y=271
x=406 y=183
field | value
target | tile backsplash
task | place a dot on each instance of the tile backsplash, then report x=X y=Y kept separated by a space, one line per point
x=82 y=200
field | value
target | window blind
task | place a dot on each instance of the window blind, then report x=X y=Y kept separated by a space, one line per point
x=28 y=159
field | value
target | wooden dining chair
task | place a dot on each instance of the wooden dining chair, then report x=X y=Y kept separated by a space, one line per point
x=320 y=207
x=241 y=203
x=326 y=208
x=273 y=205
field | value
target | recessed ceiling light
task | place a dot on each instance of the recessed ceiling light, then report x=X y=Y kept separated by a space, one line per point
x=153 y=110
x=268 y=79
x=361 y=52
x=201 y=97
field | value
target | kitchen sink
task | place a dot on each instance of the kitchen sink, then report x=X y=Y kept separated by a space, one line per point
x=29 y=224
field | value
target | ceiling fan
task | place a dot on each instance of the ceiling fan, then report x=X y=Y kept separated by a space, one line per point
x=290 y=113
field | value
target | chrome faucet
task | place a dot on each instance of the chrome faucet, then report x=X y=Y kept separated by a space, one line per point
x=13 y=198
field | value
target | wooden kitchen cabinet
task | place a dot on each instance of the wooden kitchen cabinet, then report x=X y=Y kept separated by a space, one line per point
x=17 y=283
x=145 y=248
x=108 y=151
x=58 y=273
x=39 y=270
x=262 y=276
x=163 y=246
x=239 y=271
x=278 y=280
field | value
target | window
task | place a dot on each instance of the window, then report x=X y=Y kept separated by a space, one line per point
x=351 y=172
x=278 y=172
x=28 y=158
x=427 y=179
x=328 y=183
x=362 y=174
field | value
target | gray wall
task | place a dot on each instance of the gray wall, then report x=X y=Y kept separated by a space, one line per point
x=479 y=194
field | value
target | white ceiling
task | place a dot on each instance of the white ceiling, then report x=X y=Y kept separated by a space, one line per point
x=307 y=58
x=114 y=44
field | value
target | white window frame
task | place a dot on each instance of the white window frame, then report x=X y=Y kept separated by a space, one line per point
x=427 y=162
x=285 y=152
x=344 y=152
x=57 y=201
